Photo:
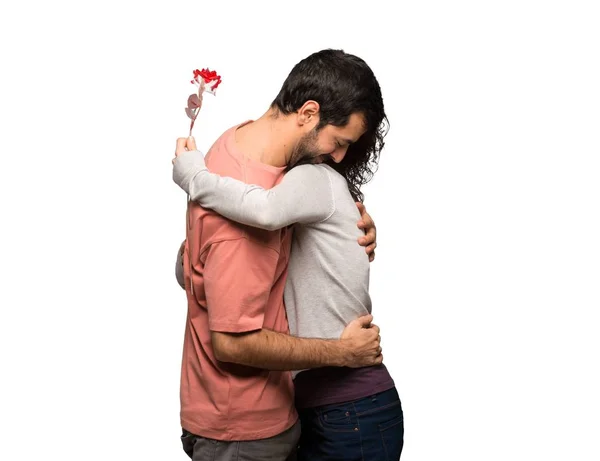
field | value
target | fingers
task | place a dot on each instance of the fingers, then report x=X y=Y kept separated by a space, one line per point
x=378 y=358
x=366 y=221
x=377 y=340
x=367 y=224
x=191 y=143
x=374 y=330
x=368 y=238
x=365 y=218
x=371 y=248
x=376 y=351
x=180 y=147
x=365 y=320
x=371 y=235
x=361 y=208
x=183 y=145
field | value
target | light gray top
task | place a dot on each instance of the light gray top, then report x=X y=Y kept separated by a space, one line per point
x=328 y=279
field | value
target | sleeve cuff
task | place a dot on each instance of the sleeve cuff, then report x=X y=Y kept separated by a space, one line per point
x=186 y=167
x=243 y=327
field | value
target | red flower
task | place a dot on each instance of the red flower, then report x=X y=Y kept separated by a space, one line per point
x=208 y=76
x=207 y=81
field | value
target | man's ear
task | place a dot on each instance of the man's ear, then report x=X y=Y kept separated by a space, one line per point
x=308 y=114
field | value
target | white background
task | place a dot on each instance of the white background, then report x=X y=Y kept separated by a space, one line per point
x=486 y=280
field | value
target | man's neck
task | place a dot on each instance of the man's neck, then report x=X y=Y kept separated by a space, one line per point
x=269 y=139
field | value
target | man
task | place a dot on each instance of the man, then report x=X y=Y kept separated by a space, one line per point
x=236 y=397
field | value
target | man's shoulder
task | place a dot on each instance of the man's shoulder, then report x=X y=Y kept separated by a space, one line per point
x=219 y=160
x=224 y=158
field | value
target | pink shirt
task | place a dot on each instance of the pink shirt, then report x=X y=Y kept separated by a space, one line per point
x=234 y=279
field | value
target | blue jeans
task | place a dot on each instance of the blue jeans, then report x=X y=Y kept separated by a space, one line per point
x=368 y=429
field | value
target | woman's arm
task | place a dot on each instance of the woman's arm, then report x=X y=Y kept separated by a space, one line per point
x=305 y=194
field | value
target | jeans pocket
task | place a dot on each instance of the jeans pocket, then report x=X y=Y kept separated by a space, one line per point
x=188 y=440
x=392 y=434
x=393 y=414
x=338 y=418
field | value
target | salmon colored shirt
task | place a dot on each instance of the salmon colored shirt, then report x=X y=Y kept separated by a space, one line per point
x=234 y=280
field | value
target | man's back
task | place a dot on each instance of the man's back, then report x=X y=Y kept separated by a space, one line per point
x=234 y=278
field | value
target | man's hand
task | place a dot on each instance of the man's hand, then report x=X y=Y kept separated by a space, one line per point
x=183 y=145
x=179 y=266
x=363 y=342
x=368 y=225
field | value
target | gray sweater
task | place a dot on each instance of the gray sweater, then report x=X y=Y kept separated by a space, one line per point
x=328 y=279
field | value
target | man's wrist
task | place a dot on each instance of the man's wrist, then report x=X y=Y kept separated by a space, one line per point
x=342 y=356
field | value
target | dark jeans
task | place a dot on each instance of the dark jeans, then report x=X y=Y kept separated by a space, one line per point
x=368 y=429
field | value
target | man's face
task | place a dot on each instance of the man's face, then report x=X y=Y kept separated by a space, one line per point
x=330 y=142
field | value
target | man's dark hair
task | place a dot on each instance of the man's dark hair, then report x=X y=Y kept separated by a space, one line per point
x=342 y=84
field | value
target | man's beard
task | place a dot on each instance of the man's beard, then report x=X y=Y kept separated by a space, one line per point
x=305 y=151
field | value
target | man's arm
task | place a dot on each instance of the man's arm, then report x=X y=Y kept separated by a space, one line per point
x=277 y=351
x=179 y=266
x=238 y=278
x=305 y=194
